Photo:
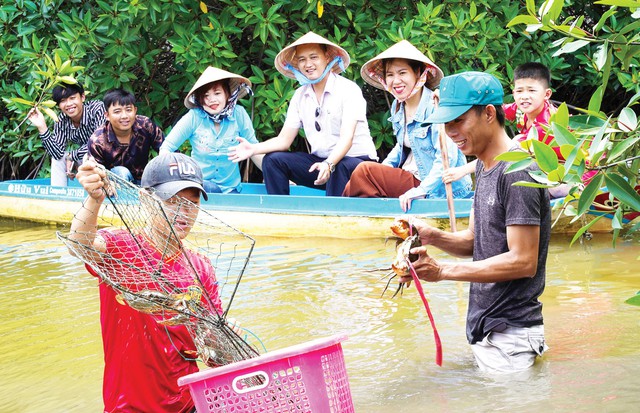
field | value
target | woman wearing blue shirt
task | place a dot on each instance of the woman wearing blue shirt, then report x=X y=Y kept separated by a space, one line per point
x=413 y=169
x=212 y=125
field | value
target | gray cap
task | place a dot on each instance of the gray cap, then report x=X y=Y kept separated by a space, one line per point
x=171 y=172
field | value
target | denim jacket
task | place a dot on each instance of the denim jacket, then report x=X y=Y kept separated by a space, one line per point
x=424 y=139
x=210 y=148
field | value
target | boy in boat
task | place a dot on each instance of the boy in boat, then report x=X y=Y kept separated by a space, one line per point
x=508 y=233
x=79 y=119
x=332 y=112
x=143 y=359
x=531 y=111
x=123 y=143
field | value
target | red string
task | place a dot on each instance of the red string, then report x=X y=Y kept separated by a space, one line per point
x=436 y=336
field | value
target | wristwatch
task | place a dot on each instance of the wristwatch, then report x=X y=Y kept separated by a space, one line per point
x=332 y=167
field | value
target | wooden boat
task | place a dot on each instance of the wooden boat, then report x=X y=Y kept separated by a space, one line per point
x=306 y=212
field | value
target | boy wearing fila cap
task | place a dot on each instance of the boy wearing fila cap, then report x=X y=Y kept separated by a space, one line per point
x=508 y=233
x=143 y=359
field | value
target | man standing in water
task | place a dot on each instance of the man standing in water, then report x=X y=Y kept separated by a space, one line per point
x=508 y=233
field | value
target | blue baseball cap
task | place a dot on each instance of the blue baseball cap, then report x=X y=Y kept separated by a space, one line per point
x=458 y=93
x=171 y=172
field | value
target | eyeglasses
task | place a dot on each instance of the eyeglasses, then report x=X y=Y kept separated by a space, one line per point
x=318 y=128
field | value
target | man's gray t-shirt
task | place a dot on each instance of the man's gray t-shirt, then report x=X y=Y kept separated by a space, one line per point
x=498 y=204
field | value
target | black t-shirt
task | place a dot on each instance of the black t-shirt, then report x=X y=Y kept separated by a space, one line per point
x=498 y=204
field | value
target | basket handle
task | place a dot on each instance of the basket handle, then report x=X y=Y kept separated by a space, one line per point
x=248 y=386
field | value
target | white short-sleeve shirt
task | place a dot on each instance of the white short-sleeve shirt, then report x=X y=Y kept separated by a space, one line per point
x=342 y=100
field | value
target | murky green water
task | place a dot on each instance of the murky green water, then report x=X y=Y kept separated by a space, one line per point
x=296 y=290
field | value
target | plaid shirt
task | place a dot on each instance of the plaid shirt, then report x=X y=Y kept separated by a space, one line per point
x=109 y=152
x=55 y=143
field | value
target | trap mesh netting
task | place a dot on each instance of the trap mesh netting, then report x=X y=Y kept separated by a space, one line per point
x=171 y=260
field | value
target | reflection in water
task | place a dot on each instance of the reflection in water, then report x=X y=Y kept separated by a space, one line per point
x=298 y=289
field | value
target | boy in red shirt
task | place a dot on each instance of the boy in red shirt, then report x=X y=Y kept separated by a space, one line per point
x=531 y=110
x=143 y=359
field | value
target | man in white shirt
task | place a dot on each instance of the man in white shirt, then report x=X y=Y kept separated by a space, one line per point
x=332 y=112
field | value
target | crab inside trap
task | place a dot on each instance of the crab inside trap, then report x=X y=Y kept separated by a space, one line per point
x=306 y=378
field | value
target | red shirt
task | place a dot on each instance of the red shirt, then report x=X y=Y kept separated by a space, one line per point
x=511 y=113
x=143 y=359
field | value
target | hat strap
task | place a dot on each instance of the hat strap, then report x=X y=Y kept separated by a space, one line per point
x=303 y=80
x=231 y=103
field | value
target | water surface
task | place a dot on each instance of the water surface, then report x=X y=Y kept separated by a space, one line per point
x=295 y=290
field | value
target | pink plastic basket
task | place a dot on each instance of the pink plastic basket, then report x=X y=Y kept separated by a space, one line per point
x=306 y=378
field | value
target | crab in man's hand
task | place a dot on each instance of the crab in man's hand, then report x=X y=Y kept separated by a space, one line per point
x=407 y=239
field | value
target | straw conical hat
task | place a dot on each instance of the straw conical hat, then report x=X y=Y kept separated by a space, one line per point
x=401 y=50
x=213 y=74
x=286 y=55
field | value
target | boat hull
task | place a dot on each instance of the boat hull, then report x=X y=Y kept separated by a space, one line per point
x=304 y=213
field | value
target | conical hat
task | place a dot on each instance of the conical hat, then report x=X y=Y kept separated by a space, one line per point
x=401 y=50
x=286 y=55
x=213 y=74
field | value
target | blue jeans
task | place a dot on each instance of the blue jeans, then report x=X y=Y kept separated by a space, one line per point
x=124 y=173
x=213 y=188
x=278 y=168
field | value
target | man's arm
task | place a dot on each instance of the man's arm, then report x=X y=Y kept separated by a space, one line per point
x=245 y=149
x=53 y=142
x=347 y=130
x=520 y=261
x=84 y=225
x=458 y=244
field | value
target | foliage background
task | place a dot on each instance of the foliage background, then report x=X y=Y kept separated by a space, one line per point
x=158 y=48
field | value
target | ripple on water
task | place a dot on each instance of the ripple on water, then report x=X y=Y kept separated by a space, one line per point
x=297 y=290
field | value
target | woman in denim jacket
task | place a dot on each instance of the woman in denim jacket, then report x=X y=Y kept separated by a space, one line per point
x=413 y=169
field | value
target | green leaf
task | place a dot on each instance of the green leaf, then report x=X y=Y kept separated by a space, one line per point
x=585 y=229
x=635 y=300
x=589 y=194
x=562 y=135
x=570 y=47
x=545 y=156
x=512 y=156
x=600 y=56
x=634 y=99
x=596 y=100
x=22 y=101
x=621 y=3
x=622 y=146
x=604 y=18
x=627 y=121
x=622 y=190
x=530 y=184
x=531 y=7
x=57 y=60
x=616 y=220
x=473 y=11
x=50 y=113
x=598 y=143
x=523 y=19
x=561 y=117
x=572 y=154
x=520 y=165
x=557 y=175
